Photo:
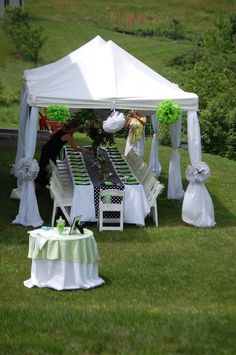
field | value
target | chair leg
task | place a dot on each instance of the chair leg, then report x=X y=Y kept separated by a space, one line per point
x=100 y=220
x=121 y=221
x=54 y=211
x=65 y=214
x=155 y=214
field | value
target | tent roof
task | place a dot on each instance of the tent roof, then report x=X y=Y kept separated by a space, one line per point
x=40 y=74
x=106 y=77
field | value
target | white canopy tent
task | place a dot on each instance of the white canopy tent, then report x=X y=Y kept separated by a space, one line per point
x=102 y=75
x=109 y=77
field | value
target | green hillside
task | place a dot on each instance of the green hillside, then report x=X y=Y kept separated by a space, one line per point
x=69 y=24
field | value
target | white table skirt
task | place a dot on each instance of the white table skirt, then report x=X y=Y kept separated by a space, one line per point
x=63 y=275
x=135 y=207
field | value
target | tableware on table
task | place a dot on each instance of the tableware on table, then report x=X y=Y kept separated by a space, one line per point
x=74 y=156
x=131 y=183
x=107 y=183
x=123 y=169
x=112 y=149
x=131 y=179
x=122 y=175
x=82 y=179
x=79 y=169
x=118 y=160
x=60 y=225
x=80 y=174
x=120 y=163
x=75 y=161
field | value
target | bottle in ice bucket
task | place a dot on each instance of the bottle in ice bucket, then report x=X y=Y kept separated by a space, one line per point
x=60 y=225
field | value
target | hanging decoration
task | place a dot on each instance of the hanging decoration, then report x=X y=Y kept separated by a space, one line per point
x=168 y=112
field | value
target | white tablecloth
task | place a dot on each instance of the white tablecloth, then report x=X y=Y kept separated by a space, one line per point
x=63 y=275
x=135 y=205
x=50 y=267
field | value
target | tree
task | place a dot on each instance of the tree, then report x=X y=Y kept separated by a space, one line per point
x=32 y=44
x=15 y=23
x=210 y=73
x=27 y=40
x=221 y=37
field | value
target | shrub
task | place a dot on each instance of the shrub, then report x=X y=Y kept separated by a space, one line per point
x=221 y=37
x=15 y=24
x=164 y=136
x=32 y=44
x=27 y=40
x=58 y=113
x=218 y=127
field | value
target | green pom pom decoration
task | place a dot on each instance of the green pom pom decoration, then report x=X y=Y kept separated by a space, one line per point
x=58 y=113
x=168 y=112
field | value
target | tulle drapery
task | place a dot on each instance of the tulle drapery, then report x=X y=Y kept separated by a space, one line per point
x=154 y=162
x=28 y=214
x=175 y=188
x=197 y=208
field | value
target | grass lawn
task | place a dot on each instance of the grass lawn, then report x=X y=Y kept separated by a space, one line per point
x=168 y=290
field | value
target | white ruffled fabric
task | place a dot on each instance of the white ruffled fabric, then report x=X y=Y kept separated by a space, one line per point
x=114 y=123
x=27 y=169
x=198 y=172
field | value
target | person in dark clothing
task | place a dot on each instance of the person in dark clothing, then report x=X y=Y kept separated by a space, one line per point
x=53 y=147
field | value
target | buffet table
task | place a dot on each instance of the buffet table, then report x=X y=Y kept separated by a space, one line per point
x=87 y=182
x=63 y=261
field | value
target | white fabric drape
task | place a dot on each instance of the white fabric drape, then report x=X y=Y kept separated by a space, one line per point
x=197 y=208
x=63 y=275
x=154 y=163
x=28 y=211
x=175 y=188
x=24 y=112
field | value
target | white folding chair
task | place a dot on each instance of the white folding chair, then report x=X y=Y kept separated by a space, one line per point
x=138 y=166
x=62 y=173
x=111 y=201
x=61 y=193
x=152 y=188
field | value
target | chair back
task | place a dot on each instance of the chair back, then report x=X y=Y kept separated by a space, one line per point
x=138 y=166
x=152 y=188
x=61 y=192
x=111 y=201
